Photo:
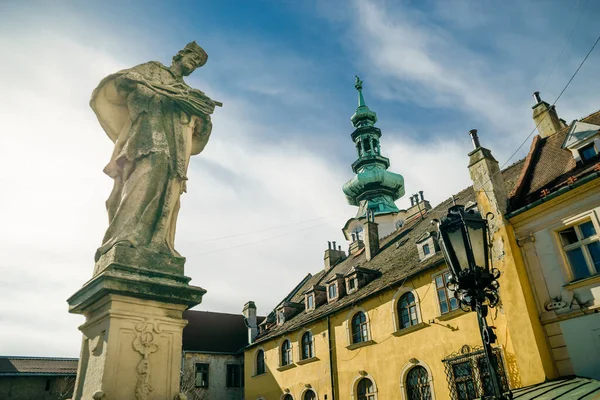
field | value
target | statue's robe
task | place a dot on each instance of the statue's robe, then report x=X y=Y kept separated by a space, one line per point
x=156 y=122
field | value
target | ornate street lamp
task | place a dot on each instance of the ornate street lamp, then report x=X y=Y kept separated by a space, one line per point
x=463 y=238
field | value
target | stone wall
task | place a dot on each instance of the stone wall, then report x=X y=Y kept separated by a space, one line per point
x=217 y=378
x=36 y=387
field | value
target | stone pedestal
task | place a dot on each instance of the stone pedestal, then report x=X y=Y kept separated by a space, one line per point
x=132 y=336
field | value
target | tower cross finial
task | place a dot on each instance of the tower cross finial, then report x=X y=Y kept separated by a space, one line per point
x=359 y=85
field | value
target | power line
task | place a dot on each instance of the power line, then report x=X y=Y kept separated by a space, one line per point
x=261 y=230
x=262 y=240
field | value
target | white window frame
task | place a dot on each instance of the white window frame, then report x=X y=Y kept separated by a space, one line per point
x=290 y=353
x=307 y=305
x=349 y=317
x=355 y=288
x=301 y=345
x=582 y=219
x=357 y=379
x=399 y=293
x=337 y=292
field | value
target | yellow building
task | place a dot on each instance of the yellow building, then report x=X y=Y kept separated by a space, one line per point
x=378 y=322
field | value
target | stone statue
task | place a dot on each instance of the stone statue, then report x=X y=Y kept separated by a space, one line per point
x=156 y=122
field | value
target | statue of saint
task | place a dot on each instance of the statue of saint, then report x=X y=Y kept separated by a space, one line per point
x=156 y=122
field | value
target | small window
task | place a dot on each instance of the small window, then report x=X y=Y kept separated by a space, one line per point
x=587 y=152
x=365 y=389
x=581 y=246
x=280 y=317
x=307 y=346
x=260 y=362
x=309 y=395
x=201 y=375
x=286 y=353
x=333 y=291
x=360 y=331
x=234 y=376
x=351 y=284
x=407 y=310
x=446 y=298
x=310 y=302
x=426 y=250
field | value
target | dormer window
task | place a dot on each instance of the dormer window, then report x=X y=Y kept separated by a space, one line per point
x=310 y=302
x=332 y=291
x=583 y=140
x=587 y=152
x=426 y=249
x=280 y=317
x=351 y=285
x=426 y=245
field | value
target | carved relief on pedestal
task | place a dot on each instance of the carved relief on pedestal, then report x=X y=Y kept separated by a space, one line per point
x=144 y=343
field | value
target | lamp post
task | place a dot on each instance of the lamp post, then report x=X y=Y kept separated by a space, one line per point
x=463 y=238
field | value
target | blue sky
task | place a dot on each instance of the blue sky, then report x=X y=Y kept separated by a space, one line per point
x=265 y=196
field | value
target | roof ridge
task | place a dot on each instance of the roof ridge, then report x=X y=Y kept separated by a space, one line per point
x=535 y=144
x=39 y=358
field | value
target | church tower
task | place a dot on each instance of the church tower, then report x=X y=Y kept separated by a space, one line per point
x=373 y=188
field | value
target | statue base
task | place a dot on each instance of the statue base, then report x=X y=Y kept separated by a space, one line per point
x=133 y=331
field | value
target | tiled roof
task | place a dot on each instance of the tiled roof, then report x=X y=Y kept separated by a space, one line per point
x=37 y=366
x=564 y=388
x=215 y=332
x=396 y=260
x=548 y=167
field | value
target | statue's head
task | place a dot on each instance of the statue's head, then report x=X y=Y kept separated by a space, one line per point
x=191 y=57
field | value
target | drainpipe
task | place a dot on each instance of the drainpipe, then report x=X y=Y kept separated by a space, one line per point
x=329 y=340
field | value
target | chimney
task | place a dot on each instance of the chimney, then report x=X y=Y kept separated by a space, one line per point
x=333 y=256
x=545 y=117
x=487 y=178
x=249 y=313
x=474 y=138
x=371 y=230
x=421 y=194
x=412 y=201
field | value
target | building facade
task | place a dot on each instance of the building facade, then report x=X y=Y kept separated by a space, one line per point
x=378 y=322
x=555 y=214
x=37 y=378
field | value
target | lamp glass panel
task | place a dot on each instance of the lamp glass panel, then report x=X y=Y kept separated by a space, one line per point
x=459 y=246
x=477 y=237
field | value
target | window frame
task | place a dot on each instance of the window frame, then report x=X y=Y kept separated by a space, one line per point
x=591 y=145
x=443 y=274
x=404 y=376
x=363 y=328
x=333 y=285
x=206 y=381
x=410 y=306
x=286 y=357
x=310 y=297
x=311 y=346
x=581 y=243
x=257 y=372
x=238 y=383
x=368 y=395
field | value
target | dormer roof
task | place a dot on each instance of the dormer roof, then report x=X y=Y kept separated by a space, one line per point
x=579 y=132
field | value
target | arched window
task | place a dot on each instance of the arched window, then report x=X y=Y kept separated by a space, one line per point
x=260 y=362
x=365 y=389
x=309 y=395
x=407 y=311
x=360 y=331
x=288 y=397
x=286 y=353
x=417 y=384
x=307 y=346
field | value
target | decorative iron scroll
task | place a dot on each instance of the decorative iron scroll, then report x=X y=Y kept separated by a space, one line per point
x=468 y=374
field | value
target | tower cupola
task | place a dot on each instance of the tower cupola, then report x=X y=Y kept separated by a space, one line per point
x=373 y=187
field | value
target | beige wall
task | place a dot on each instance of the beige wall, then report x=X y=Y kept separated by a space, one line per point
x=385 y=361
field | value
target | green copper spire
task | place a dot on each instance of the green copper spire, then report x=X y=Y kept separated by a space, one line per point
x=363 y=115
x=373 y=187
